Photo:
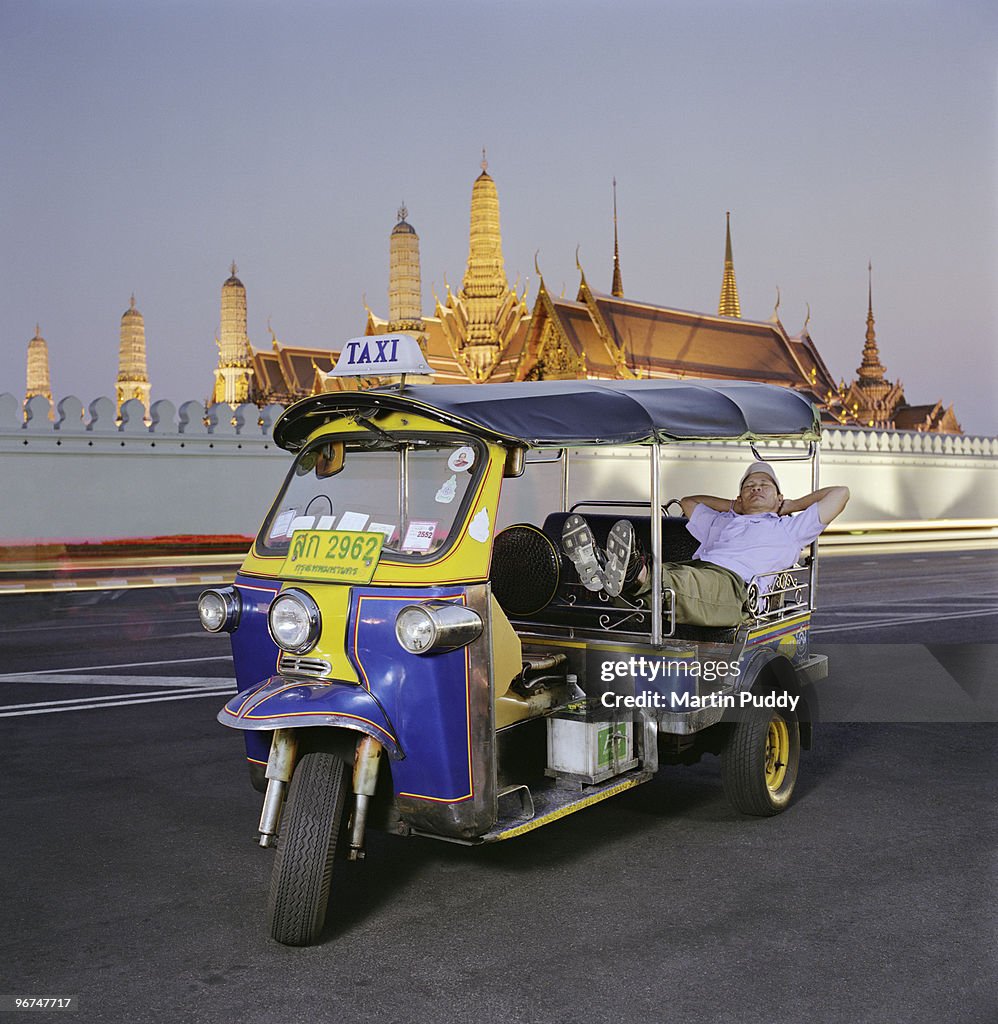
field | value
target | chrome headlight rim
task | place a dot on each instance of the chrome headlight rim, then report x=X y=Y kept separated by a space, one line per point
x=448 y=625
x=232 y=607
x=314 y=620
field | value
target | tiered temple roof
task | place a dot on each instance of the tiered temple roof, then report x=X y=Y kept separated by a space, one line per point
x=485 y=334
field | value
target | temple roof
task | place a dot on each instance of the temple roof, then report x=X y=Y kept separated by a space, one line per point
x=661 y=341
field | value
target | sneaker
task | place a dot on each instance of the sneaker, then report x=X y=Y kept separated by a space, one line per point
x=578 y=543
x=619 y=550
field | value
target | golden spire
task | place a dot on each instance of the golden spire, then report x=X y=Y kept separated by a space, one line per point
x=405 y=298
x=729 y=304
x=870 y=371
x=484 y=290
x=133 y=378
x=483 y=317
x=234 y=372
x=617 y=287
x=38 y=381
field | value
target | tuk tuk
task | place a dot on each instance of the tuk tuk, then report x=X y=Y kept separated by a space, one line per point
x=414 y=652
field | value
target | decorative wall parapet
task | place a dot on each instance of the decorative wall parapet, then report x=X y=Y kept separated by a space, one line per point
x=855 y=439
x=189 y=420
x=249 y=421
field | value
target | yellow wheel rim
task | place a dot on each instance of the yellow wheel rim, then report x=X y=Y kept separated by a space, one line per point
x=777 y=753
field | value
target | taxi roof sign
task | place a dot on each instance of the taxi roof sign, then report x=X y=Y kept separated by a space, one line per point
x=381 y=355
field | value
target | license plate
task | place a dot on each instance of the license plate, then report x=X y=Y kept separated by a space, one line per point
x=336 y=556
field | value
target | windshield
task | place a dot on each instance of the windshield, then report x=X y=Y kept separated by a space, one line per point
x=410 y=489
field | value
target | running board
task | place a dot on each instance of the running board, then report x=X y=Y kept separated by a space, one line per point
x=550 y=802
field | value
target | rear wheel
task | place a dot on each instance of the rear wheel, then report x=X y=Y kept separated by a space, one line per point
x=303 y=867
x=759 y=763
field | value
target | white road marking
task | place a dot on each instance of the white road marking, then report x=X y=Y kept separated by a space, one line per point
x=177 y=682
x=55 y=707
x=96 y=668
x=109 y=699
x=900 y=621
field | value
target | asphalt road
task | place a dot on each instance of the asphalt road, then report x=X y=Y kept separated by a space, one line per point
x=130 y=878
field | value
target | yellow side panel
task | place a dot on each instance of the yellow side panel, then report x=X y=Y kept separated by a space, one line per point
x=334 y=605
x=507 y=664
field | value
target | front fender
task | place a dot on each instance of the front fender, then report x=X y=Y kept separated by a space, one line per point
x=280 y=703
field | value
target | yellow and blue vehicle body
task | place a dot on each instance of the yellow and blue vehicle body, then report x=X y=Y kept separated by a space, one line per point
x=446 y=720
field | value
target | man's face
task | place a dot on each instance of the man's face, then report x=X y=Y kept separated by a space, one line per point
x=759 y=494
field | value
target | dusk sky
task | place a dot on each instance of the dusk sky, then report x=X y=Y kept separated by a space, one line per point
x=146 y=145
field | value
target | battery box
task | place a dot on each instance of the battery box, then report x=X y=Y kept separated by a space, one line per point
x=589 y=744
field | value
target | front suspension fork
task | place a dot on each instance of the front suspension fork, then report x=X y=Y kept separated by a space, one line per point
x=365 y=780
x=280 y=765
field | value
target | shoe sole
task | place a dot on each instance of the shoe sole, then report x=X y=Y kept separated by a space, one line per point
x=619 y=546
x=578 y=543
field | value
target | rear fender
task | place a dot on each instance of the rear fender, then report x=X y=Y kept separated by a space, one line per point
x=281 y=703
x=764 y=669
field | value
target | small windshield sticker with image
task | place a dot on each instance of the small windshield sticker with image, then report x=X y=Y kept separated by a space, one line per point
x=448 y=491
x=419 y=535
x=461 y=459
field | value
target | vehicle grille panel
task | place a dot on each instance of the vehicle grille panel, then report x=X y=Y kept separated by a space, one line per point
x=292 y=665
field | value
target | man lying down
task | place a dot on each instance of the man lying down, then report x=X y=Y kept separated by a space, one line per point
x=758 y=532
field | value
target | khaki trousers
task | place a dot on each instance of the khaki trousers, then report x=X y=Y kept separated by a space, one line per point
x=706 y=594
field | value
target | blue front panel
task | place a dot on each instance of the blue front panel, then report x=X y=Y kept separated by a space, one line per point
x=254 y=654
x=425 y=696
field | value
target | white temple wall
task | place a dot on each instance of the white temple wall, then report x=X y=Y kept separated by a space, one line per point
x=86 y=476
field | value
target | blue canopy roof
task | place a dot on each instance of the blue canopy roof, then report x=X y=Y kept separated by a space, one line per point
x=578 y=412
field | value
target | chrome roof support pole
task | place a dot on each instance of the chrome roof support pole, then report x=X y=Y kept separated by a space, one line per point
x=655 y=521
x=813 y=588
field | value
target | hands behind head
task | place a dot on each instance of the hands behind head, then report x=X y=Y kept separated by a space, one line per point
x=786 y=507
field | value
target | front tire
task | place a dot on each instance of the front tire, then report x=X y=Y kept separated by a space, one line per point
x=303 y=867
x=760 y=761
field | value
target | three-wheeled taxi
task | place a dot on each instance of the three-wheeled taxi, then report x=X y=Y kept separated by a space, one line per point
x=415 y=653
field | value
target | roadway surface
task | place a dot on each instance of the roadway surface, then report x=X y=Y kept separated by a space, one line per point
x=130 y=878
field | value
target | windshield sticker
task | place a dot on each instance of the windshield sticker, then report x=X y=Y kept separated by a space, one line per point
x=448 y=491
x=325 y=522
x=353 y=521
x=388 y=529
x=479 y=529
x=282 y=522
x=301 y=523
x=419 y=535
x=463 y=458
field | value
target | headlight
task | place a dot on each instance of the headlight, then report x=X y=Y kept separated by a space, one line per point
x=436 y=626
x=219 y=609
x=294 y=621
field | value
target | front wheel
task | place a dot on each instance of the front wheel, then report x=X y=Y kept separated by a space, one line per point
x=759 y=763
x=303 y=867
